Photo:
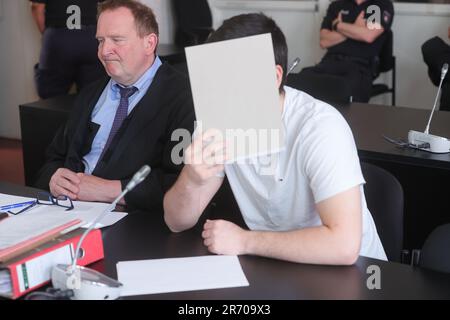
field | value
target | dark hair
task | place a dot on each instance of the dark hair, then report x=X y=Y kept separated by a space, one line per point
x=144 y=17
x=251 y=24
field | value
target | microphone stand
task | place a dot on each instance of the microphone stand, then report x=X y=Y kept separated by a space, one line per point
x=293 y=65
x=424 y=140
x=87 y=283
x=111 y=207
x=443 y=73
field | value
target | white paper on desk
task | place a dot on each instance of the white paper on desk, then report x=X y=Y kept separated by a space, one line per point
x=83 y=210
x=234 y=89
x=180 y=274
x=89 y=211
x=86 y=212
x=6 y=199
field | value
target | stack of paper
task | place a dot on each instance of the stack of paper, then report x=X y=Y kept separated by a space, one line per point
x=23 y=232
x=5 y=283
x=41 y=223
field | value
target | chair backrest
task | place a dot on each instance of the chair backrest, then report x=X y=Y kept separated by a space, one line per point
x=193 y=18
x=325 y=87
x=435 y=253
x=384 y=197
x=386 y=57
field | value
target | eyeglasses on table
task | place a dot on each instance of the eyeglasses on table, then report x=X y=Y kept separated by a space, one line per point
x=45 y=198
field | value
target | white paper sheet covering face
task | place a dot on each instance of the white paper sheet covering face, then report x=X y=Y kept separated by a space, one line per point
x=234 y=88
x=180 y=274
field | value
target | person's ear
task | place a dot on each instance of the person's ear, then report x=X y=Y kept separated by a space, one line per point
x=151 y=42
x=280 y=74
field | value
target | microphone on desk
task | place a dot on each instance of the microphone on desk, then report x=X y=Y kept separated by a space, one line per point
x=86 y=283
x=424 y=140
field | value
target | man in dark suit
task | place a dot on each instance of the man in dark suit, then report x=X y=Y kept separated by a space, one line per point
x=122 y=123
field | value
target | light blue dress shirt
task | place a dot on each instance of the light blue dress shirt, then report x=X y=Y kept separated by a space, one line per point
x=105 y=111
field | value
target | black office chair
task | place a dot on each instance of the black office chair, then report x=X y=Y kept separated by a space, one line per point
x=325 y=87
x=435 y=254
x=383 y=63
x=194 y=22
x=384 y=197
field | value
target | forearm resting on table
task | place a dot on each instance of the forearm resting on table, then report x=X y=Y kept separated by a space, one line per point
x=316 y=245
x=116 y=189
x=337 y=241
x=92 y=188
x=185 y=202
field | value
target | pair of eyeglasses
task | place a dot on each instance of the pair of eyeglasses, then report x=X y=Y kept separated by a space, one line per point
x=43 y=198
x=46 y=198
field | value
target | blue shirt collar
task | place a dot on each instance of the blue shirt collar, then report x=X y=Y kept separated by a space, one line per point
x=142 y=82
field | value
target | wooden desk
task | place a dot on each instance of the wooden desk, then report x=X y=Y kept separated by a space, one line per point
x=143 y=235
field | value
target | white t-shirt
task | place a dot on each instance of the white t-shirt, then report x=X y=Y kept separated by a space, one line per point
x=319 y=161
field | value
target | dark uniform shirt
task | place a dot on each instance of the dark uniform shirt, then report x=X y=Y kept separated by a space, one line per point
x=56 y=12
x=350 y=11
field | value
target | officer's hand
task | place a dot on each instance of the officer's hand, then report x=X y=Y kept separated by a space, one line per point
x=336 y=21
x=360 y=21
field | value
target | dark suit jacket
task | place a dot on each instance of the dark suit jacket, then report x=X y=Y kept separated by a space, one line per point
x=144 y=138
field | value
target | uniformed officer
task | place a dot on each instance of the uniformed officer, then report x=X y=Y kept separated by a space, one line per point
x=353 y=32
x=69 y=47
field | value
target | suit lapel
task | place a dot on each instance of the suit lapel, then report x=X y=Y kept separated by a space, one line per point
x=84 y=135
x=144 y=112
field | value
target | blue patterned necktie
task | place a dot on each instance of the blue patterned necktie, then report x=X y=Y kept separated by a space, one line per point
x=121 y=114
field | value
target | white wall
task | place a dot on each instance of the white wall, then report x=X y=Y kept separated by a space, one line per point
x=19 y=52
x=164 y=16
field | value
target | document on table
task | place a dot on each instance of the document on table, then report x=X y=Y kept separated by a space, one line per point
x=234 y=88
x=180 y=274
x=6 y=199
x=19 y=229
x=87 y=212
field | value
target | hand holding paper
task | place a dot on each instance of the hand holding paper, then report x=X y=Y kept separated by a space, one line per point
x=240 y=98
x=205 y=157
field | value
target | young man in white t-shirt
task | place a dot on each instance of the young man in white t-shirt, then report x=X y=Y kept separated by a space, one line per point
x=311 y=209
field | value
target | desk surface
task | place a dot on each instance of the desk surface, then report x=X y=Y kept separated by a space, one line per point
x=143 y=235
x=369 y=122
x=62 y=103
